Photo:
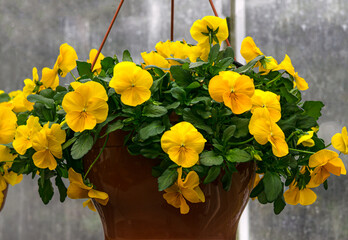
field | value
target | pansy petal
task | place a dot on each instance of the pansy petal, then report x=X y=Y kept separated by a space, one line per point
x=89 y=204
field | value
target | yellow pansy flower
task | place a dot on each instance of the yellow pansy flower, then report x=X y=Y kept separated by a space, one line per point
x=48 y=145
x=7 y=177
x=294 y=195
x=233 y=89
x=315 y=129
x=24 y=135
x=155 y=59
x=268 y=102
x=31 y=84
x=78 y=190
x=20 y=102
x=97 y=67
x=66 y=62
x=8 y=125
x=86 y=106
x=286 y=65
x=306 y=139
x=200 y=30
x=249 y=51
x=183 y=143
x=132 y=82
x=325 y=162
x=181 y=190
x=265 y=130
x=340 y=141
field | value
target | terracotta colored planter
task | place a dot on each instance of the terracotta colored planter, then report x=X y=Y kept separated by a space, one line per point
x=5 y=194
x=136 y=210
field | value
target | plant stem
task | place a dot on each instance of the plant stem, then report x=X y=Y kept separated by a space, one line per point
x=275 y=79
x=328 y=145
x=101 y=151
x=302 y=151
x=69 y=142
x=244 y=142
x=73 y=76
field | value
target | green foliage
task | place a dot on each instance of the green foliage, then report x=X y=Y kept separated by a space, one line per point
x=81 y=147
x=210 y=158
x=167 y=179
x=238 y=155
x=213 y=173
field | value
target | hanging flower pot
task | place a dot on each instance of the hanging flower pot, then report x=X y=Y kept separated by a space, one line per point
x=137 y=210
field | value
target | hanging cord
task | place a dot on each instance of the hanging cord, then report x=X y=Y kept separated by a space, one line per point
x=238 y=64
x=172 y=22
x=107 y=34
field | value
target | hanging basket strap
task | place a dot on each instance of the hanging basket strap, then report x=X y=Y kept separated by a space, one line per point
x=107 y=33
x=171 y=27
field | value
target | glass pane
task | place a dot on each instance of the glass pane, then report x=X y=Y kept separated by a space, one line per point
x=314 y=34
x=31 y=32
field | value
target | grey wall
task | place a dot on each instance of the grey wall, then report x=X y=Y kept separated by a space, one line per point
x=31 y=32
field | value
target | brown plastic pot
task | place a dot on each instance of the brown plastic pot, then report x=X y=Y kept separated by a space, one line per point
x=136 y=210
x=5 y=195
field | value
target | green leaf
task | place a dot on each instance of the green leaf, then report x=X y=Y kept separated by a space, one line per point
x=257 y=190
x=196 y=121
x=290 y=98
x=82 y=146
x=313 y=108
x=4 y=97
x=179 y=60
x=228 y=133
x=49 y=103
x=279 y=205
x=174 y=105
x=48 y=93
x=210 y=158
x=228 y=52
x=84 y=69
x=107 y=63
x=113 y=127
x=206 y=100
x=250 y=65
x=193 y=85
x=178 y=93
x=262 y=198
x=273 y=185
x=241 y=124
x=22 y=118
x=181 y=76
x=167 y=179
x=305 y=122
x=223 y=64
x=214 y=52
x=127 y=56
x=59 y=97
x=197 y=64
x=61 y=188
x=154 y=111
x=238 y=155
x=43 y=113
x=226 y=181
x=213 y=173
x=45 y=190
x=153 y=129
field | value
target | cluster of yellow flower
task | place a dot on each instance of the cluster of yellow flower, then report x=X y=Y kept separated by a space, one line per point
x=86 y=104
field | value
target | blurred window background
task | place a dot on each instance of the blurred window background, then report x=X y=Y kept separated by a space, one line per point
x=313 y=33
